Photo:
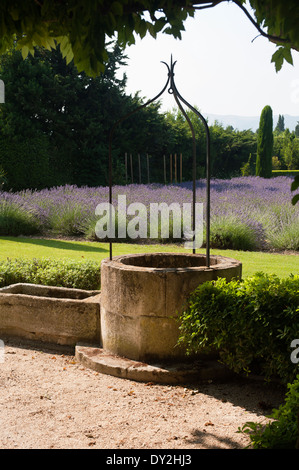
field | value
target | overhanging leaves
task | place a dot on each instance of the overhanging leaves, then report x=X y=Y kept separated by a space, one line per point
x=82 y=26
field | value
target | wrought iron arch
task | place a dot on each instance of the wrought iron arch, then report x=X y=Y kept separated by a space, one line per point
x=178 y=98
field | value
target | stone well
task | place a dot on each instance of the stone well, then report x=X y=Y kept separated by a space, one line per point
x=142 y=296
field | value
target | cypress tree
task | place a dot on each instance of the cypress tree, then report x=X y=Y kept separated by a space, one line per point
x=265 y=144
x=280 y=124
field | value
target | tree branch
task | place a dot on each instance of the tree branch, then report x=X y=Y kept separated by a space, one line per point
x=275 y=39
x=213 y=4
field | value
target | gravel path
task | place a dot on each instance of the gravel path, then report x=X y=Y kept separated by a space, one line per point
x=48 y=401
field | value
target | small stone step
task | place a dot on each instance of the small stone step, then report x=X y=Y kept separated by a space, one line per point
x=97 y=359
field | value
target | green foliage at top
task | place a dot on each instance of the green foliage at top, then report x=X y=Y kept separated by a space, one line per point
x=251 y=323
x=81 y=27
x=265 y=144
x=280 y=20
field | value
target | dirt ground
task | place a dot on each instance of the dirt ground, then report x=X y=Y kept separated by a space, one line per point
x=48 y=401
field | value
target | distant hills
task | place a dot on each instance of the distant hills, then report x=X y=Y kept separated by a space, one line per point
x=249 y=122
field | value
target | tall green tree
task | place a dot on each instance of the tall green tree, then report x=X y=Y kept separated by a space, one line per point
x=265 y=143
x=280 y=124
x=291 y=150
x=55 y=123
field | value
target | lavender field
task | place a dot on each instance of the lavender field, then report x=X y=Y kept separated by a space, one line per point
x=247 y=213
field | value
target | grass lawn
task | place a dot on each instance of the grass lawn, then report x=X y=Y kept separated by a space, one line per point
x=16 y=247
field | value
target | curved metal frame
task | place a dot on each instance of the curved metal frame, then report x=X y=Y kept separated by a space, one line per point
x=178 y=98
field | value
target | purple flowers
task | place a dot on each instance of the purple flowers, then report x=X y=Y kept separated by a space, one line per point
x=261 y=206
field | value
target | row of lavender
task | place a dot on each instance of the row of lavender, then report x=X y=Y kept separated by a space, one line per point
x=248 y=213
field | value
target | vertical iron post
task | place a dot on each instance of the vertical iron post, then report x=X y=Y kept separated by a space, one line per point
x=178 y=98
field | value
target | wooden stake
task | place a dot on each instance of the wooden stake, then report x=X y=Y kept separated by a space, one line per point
x=181 y=167
x=175 y=172
x=139 y=168
x=164 y=158
x=148 y=178
x=170 y=164
x=131 y=168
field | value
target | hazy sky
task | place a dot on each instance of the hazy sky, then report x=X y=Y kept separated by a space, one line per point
x=219 y=69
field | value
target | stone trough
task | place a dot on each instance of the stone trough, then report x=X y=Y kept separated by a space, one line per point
x=49 y=314
x=129 y=329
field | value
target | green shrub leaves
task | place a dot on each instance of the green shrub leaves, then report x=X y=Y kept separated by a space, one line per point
x=251 y=323
x=60 y=273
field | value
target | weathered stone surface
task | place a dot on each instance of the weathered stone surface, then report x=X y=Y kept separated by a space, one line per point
x=50 y=314
x=181 y=372
x=142 y=295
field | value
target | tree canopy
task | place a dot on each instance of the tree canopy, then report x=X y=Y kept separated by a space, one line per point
x=82 y=28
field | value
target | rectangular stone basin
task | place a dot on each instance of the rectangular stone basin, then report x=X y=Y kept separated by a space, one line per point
x=49 y=314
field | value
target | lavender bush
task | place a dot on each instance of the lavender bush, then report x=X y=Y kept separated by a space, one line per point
x=248 y=213
x=15 y=218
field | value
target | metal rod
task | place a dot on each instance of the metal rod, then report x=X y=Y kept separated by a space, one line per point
x=208 y=170
x=178 y=98
x=193 y=162
x=112 y=130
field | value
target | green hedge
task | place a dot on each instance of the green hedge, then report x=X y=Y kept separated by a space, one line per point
x=61 y=273
x=251 y=323
x=26 y=162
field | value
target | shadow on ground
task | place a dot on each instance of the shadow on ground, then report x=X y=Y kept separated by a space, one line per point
x=59 y=244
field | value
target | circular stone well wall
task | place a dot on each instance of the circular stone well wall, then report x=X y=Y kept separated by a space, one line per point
x=142 y=295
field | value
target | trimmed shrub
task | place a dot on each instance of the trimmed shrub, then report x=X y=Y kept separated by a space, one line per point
x=60 y=273
x=251 y=323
